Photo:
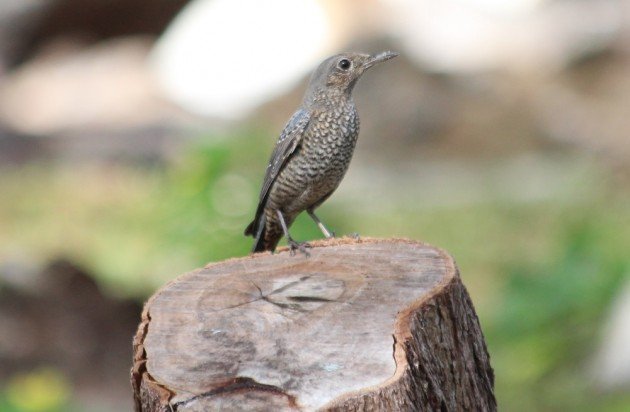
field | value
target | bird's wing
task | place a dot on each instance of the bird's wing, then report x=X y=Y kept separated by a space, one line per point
x=288 y=141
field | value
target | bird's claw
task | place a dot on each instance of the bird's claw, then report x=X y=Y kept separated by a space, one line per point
x=301 y=246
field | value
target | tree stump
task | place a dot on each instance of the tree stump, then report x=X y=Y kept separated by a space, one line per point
x=360 y=325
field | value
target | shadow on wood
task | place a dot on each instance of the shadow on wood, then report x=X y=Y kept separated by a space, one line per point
x=379 y=325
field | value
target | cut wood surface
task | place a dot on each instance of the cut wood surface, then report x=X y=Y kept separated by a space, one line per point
x=379 y=325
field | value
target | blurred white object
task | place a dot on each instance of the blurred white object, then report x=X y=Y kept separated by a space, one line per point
x=612 y=362
x=517 y=35
x=223 y=57
x=67 y=87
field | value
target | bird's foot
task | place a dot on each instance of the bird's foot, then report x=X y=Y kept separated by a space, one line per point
x=301 y=246
x=355 y=236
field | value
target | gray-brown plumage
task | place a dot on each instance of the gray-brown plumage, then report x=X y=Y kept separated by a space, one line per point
x=313 y=151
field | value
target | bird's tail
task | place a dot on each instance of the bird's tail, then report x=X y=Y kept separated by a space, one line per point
x=265 y=238
x=257 y=229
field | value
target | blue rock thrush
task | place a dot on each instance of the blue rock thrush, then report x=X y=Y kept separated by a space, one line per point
x=313 y=151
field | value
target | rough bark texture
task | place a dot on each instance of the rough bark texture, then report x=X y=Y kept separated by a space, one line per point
x=370 y=325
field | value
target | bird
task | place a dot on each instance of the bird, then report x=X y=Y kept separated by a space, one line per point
x=312 y=153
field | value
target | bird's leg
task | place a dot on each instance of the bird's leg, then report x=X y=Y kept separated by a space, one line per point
x=293 y=245
x=320 y=225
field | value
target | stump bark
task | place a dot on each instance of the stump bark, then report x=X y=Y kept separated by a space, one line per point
x=369 y=325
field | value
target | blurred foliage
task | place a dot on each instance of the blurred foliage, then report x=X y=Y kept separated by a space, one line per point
x=541 y=274
x=41 y=390
x=132 y=226
x=544 y=333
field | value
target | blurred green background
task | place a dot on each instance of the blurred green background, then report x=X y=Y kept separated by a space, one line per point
x=522 y=175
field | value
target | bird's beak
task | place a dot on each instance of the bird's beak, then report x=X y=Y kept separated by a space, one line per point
x=379 y=58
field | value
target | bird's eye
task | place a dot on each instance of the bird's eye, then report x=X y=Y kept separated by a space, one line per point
x=344 y=64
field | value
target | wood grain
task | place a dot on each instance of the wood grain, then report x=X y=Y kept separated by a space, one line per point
x=359 y=325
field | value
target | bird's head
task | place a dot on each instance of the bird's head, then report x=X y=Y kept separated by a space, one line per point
x=338 y=74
